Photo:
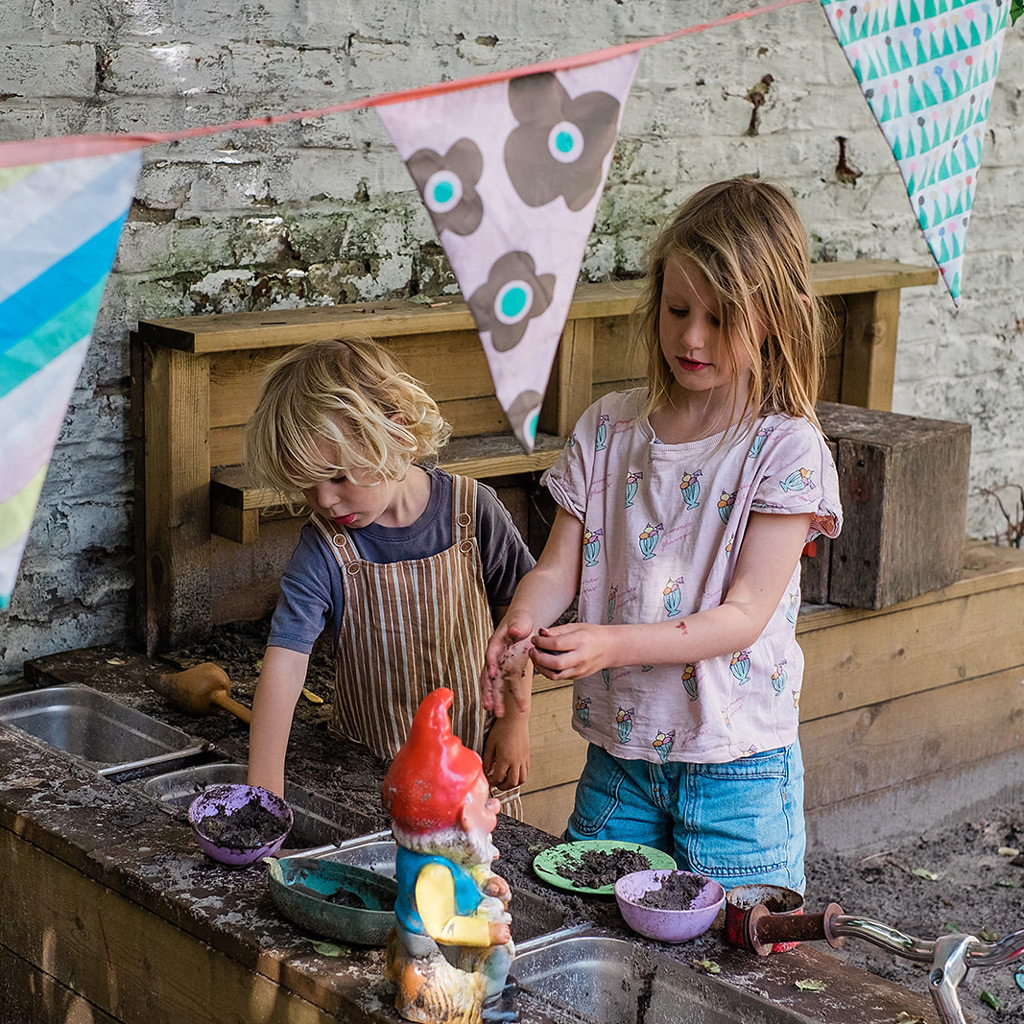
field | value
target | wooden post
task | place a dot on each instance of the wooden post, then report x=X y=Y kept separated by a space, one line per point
x=568 y=391
x=869 y=349
x=176 y=500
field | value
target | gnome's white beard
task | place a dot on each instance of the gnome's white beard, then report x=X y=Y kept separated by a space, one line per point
x=467 y=849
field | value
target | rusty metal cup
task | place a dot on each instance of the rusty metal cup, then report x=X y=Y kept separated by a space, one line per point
x=741 y=899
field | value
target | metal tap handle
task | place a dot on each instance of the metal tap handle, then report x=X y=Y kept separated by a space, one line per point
x=883 y=935
x=993 y=954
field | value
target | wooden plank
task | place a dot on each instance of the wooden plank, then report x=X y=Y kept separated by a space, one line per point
x=128 y=961
x=557 y=752
x=568 y=390
x=615 y=358
x=177 y=499
x=910 y=650
x=851 y=277
x=897 y=741
x=28 y=994
x=485 y=457
x=238 y=524
x=869 y=349
x=451 y=365
x=549 y=809
x=393 y=318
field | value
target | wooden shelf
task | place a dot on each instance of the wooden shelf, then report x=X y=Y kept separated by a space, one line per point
x=236 y=505
x=195 y=381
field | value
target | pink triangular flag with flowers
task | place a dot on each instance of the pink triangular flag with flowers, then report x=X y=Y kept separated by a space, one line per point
x=511 y=173
x=927 y=69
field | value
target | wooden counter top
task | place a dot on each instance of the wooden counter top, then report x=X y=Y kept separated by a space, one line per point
x=109 y=901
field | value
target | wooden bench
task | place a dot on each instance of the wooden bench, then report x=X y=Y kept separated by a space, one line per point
x=195 y=382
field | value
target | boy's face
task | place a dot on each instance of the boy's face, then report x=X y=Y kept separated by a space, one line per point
x=354 y=499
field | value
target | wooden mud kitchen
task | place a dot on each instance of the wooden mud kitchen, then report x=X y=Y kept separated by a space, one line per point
x=113 y=914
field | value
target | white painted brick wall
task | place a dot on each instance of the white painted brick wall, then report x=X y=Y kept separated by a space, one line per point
x=321 y=210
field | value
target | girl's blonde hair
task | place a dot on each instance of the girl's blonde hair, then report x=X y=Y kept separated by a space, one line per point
x=330 y=407
x=747 y=238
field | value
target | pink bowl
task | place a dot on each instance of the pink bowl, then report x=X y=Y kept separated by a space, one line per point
x=225 y=800
x=678 y=925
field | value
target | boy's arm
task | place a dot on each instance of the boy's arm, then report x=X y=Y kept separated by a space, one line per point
x=273 y=706
x=542 y=595
x=507 y=747
x=770 y=552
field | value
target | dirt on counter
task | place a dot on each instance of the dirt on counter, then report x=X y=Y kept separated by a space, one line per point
x=954 y=879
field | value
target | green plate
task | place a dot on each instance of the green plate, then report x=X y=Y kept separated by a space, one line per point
x=547 y=862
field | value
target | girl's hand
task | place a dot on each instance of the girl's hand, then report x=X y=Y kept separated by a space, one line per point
x=572 y=651
x=506 y=664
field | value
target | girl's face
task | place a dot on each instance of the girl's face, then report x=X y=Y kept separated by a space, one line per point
x=693 y=341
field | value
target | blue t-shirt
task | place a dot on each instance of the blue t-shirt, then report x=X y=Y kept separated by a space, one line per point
x=312 y=593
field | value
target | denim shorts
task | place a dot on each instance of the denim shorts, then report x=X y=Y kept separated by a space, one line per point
x=741 y=822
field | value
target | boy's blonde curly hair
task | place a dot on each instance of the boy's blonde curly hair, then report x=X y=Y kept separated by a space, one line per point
x=330 y=407
x=746 y=237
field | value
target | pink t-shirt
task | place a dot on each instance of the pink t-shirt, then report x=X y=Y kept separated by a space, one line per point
x=663 y=526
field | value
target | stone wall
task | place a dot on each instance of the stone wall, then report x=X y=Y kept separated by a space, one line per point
x=321 y=210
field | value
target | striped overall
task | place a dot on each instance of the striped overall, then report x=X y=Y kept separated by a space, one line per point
x=408 y=627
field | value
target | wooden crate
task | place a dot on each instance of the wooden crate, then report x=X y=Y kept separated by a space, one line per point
x=903 y=484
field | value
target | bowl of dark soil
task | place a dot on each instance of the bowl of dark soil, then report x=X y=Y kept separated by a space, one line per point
x=670 y=906
x=237 y=824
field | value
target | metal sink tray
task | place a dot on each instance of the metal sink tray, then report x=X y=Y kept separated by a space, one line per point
x=531 y=914
x=316 y=818
x=96 y=729
x=605 y=979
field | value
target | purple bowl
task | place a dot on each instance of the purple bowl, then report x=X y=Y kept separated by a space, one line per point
x=677 y=925
x=226 y=800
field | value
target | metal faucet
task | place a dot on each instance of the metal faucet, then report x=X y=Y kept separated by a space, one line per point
x=951 y=956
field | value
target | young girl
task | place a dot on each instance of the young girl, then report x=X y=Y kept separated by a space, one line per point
x=683 y=510
x=408 y=567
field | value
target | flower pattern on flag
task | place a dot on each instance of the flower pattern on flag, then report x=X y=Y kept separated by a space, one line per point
x=511 y=173
x=448 y=186
x=561 y=143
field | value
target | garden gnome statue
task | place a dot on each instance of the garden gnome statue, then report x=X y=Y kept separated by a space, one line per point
x=451 y=948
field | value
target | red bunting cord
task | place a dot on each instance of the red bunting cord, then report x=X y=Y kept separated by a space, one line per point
x=68 y=147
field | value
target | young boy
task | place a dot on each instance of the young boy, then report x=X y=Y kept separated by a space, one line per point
x=408 y=567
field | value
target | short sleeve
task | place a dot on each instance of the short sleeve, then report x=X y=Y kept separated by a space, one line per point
x=568 y=479
x=505 y=556
x=307 y=600
x=797 y=475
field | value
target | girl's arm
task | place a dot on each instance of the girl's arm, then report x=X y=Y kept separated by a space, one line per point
x=542 y=595
x=273 y=706
x=770 y=552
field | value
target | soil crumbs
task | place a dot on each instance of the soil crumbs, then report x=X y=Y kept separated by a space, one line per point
x=247 y=828
x=594 y=869
x=966 y=878
x=676 y=892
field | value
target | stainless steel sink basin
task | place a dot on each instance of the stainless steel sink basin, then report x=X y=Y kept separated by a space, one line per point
x=316 y=818
x=609 y=980
x=96 y=729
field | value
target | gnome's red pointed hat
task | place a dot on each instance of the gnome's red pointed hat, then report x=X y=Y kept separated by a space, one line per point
x=426 y=786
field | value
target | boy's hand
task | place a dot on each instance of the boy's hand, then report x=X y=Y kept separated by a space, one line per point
x=506 y=664
x=507 y=751
x=572 y=651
